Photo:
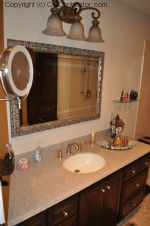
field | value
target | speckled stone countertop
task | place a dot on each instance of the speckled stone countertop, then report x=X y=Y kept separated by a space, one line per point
x=47 y=183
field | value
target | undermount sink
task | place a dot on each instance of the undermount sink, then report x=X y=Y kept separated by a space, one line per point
x=84 y=163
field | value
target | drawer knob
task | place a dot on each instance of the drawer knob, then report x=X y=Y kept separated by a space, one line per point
x=108 y=187
x=146 y=163
x=103 y=190
x=133 y=204
x=137 y=185
x=66 y=214
x=133 y=171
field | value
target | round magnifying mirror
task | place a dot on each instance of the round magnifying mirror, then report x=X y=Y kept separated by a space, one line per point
x=17 y=71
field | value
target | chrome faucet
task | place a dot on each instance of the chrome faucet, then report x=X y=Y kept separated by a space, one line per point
x=77 y=147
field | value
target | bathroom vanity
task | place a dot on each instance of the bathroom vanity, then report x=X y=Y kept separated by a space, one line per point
x=48 y=194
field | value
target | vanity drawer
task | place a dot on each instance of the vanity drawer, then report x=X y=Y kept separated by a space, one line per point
x=132 y=203
x=132 y=186
x=37 y=220
x=144 y=162
x=62 y=211
x=130 y=171
x=136 y=167
x=72 y=221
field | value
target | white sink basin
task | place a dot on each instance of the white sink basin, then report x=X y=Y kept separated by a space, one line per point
x=84 y=163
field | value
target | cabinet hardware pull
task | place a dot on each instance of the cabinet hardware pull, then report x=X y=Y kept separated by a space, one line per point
x=137 y=185
x=103 y=190
x=108 y=187
x=65 y=214
x=146 y=163
x=133 y=171
x=133 y=203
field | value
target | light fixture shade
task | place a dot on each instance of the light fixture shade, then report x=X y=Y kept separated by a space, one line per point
x=95 y=34
x=54 y=26
x=76 y=31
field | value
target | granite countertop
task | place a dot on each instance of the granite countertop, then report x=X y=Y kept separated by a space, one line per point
x=47 y=183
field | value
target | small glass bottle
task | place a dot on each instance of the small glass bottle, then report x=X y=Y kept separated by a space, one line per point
x=92 y=139
x=38 y=155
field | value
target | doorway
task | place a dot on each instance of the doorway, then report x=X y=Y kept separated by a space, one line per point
x=143 y=117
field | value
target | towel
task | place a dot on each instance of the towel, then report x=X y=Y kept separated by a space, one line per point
x=2 y=217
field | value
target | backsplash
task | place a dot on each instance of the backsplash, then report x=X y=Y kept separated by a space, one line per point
x=56 y=147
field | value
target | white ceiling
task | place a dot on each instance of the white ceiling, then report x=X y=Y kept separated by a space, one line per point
x=143 y=5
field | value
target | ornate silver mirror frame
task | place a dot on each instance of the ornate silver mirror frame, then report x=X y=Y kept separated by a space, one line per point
x=16 y=129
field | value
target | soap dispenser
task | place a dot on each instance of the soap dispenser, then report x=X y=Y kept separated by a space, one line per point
x=38 y=154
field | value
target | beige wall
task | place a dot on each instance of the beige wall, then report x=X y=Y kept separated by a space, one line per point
x=143 y=119
x=3 y=113
x=3 y=120
x=124 y=30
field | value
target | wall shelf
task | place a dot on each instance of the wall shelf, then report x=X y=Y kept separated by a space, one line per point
x=130 y=101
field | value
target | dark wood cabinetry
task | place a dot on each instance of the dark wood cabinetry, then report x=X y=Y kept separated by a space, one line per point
x=133 y=187
x=64 y=213
x=131 y=203
x=37 y=220
x=101 y=204
x=72 y=221
x=136 y=167
x=100 y=201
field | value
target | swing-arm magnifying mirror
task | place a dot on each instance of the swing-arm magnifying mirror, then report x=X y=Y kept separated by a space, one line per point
x=16 y=73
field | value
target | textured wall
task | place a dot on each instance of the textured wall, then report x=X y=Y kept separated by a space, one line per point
x=124 y=30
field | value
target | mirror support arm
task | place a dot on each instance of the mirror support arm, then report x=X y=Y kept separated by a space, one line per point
x=9 y=97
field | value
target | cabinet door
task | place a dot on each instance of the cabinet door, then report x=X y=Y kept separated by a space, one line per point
x=69 y=222
x=99 y=203
x=110 y=206
x=90 y=200
x=37 y=220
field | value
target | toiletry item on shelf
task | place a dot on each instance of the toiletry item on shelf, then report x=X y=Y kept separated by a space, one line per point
x=23 y=164
x=121 y=96
x=92 y=139
x=133 y=95
x=38 y=154
x=126 y=98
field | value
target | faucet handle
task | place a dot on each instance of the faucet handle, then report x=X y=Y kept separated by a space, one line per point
x=75 y=145
x=60 y=154
x=80 y=146
x=68 y=151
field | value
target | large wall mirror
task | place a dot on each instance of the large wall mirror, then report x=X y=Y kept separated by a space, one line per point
x=67 y=88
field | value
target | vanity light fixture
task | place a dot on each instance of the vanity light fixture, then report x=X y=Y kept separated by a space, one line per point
x=61 y=12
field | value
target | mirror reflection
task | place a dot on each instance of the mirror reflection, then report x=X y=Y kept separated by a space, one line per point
x=66 y=88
